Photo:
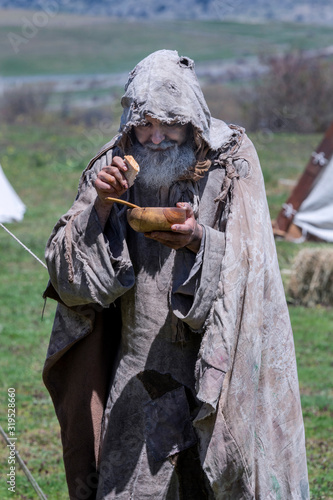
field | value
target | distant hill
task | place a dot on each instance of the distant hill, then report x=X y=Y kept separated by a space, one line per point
x=303 y=11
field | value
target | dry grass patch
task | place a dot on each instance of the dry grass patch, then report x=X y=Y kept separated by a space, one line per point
x=311 y=280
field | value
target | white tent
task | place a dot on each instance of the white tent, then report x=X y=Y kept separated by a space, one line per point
x=308 y=212
x=11 y=207
x=315 y=215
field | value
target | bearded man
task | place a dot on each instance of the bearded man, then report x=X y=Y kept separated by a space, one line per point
x=171 y=363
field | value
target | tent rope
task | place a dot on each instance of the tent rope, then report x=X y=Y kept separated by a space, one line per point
x=25 y=469
x=26 y=248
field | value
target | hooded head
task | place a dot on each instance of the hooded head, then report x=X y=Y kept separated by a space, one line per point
x=164 y=86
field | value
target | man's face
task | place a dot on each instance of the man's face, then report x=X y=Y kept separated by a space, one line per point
x=160 y=136
x=164 y=152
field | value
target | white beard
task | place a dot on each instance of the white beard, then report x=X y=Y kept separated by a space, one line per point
x=160 y=168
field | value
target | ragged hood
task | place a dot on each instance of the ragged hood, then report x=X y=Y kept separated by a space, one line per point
x=164 y=85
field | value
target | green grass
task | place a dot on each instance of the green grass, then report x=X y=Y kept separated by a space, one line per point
x=33 y=167
x=282 y=157
x=43 y=164
x=313 y=336
x=115 y=46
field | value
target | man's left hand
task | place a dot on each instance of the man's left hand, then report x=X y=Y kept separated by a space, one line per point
x=188 y=234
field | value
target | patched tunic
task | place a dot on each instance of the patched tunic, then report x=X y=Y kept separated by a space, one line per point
x=148 y=417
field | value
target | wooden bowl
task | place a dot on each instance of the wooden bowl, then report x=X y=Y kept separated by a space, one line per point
x=145 y=220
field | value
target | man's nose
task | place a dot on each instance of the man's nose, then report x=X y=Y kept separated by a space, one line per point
x=157 y=135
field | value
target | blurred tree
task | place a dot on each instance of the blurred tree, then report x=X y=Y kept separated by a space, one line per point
x=295 y=95
x=27 y=103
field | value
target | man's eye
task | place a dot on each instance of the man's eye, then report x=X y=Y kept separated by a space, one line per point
x=171 y=125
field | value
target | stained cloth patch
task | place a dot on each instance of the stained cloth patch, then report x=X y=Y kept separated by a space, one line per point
x=168 y=426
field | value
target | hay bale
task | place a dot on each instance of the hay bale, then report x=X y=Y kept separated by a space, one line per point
x=311 y=280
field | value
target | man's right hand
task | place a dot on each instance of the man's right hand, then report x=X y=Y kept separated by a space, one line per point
x=110 y=182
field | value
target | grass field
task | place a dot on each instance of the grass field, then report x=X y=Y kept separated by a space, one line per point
x=109 y=46
x=41 y=165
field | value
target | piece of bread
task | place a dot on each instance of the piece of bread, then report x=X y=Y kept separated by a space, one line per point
x=133 y=170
